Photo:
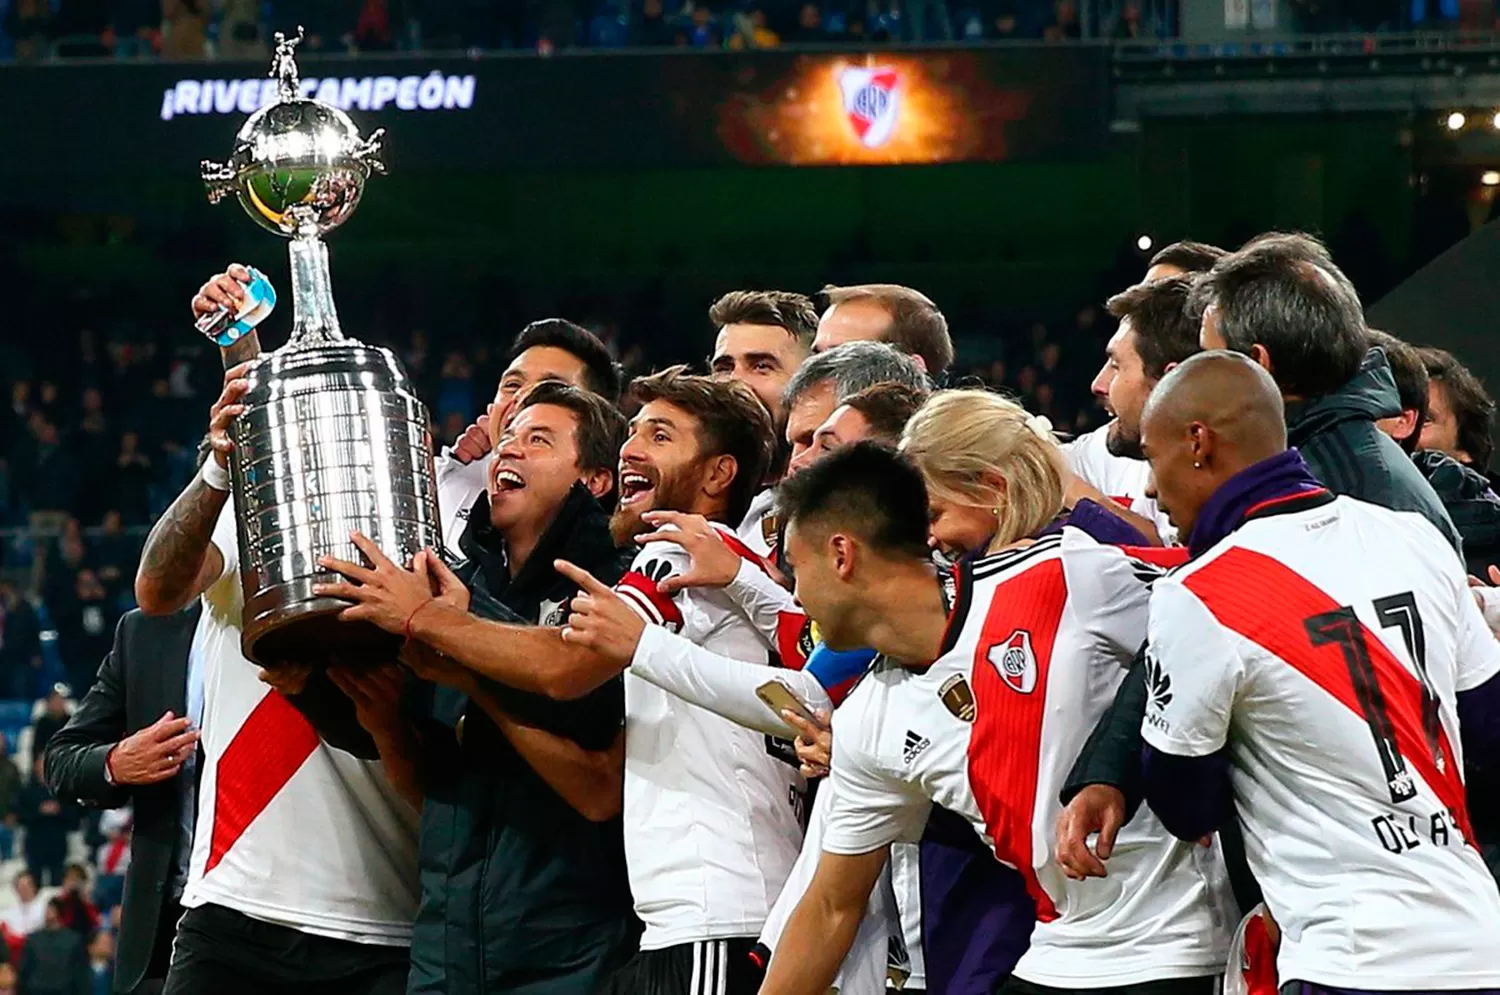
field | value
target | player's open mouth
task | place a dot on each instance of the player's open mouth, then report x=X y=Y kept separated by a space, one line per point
x=508 y=480
x=634 y=487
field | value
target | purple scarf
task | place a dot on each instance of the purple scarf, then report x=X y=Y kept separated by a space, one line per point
x=1283 y=475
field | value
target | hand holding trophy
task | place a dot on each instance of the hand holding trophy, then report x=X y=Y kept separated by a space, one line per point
x=332 y=439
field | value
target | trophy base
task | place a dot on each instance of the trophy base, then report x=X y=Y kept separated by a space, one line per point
x=283 y=628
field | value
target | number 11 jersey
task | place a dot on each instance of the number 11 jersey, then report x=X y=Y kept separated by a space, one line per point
x=1324 y=643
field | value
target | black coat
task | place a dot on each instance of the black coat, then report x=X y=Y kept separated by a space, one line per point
x=144 y=675
x=520 y=893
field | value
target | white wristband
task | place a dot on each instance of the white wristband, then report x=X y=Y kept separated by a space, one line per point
x=215 y=475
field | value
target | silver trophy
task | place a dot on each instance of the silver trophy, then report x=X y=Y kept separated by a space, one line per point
x=333 y=438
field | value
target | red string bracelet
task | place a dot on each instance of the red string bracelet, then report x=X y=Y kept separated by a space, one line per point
x=406 y=629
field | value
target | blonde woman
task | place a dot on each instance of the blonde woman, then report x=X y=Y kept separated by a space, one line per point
x=995 y=476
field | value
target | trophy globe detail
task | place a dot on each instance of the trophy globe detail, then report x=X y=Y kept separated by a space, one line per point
x=333 y=437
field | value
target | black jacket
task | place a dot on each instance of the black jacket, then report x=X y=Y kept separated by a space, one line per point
x=1344 y=449
x=520 y=893
x=144 y=675
x=1471 y=502
x=1338 y=437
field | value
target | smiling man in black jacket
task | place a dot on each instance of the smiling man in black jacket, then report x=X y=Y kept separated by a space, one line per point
x=522 y=861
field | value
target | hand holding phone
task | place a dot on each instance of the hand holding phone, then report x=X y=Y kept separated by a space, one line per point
x=779 y=698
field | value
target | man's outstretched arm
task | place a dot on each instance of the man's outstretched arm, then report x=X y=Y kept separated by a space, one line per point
x=525 y=657
x=431 y=605
x=820 y=932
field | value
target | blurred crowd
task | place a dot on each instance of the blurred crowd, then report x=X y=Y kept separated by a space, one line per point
x=242 y=29
x=63 y=867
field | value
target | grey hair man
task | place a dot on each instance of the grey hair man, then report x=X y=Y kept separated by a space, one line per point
x=819 y=386
x=830 y=378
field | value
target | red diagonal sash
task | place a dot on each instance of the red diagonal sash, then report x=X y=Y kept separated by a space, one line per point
x=1005 y=748
x=270 y=747
x=1268 y=603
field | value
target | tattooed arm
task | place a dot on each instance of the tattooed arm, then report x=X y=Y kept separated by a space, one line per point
x=179 y=561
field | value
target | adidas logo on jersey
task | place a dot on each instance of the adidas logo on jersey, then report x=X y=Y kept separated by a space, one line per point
x=1014 y=661
x=914 y=746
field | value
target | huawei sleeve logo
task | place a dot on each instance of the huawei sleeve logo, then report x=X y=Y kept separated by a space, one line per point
x=657 y=570
x=1158 y=684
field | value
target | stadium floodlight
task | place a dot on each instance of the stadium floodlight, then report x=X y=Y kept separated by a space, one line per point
x=1457 y=120
x=1144 y=243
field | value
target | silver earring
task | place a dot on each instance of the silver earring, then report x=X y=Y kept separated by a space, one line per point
x=1197 y=465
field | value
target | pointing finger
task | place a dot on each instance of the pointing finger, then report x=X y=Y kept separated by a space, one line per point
x=586 y=581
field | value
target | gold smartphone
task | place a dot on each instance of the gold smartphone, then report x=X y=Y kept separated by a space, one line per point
x=778 y=698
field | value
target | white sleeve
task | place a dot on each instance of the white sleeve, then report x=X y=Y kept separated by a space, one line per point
x=1193 y=673
x=226 y=538
x=870 y=808
x=723 y=686
x=1478 y=651
x=638 y=588
x=762 y=601
x=458 y=485
x=1111 y=593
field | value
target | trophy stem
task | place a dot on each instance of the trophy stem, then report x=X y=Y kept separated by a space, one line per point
x=316 y=321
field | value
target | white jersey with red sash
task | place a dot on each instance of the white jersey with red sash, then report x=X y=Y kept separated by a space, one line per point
x=1037 y=645
x=1323 y=643
x=712 y=814
x=289 y=830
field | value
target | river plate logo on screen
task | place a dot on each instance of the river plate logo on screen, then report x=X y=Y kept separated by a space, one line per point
x=871 y=101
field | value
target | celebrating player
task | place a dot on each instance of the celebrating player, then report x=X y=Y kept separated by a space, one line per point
x=986 y=689
x=1319 y=668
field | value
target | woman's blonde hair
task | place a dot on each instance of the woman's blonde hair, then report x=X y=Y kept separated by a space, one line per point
x=961 y=437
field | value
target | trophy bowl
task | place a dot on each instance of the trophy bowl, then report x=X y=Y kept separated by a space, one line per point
x=299 y=164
